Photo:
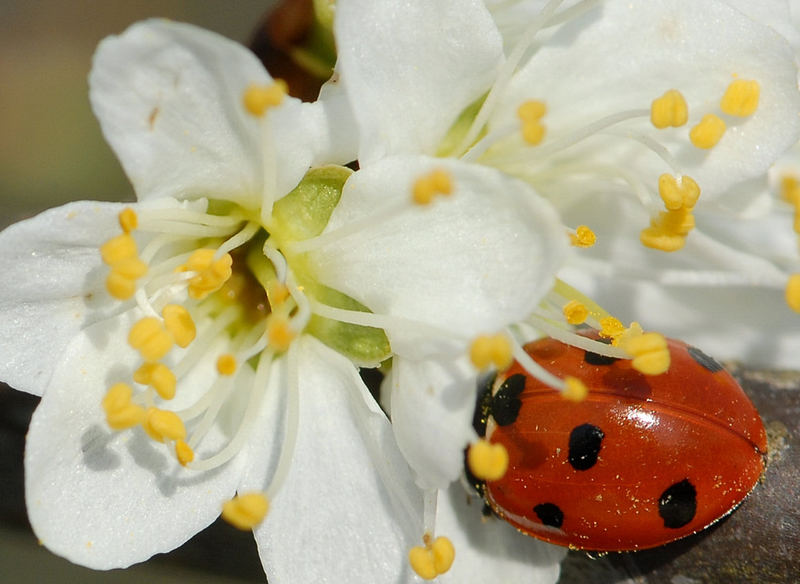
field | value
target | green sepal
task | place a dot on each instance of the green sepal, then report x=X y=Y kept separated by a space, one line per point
x=258 y=264
x=305 y=211
x=459 y=129
x=365 y=346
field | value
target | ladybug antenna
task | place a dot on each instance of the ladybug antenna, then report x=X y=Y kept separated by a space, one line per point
x=436 y=554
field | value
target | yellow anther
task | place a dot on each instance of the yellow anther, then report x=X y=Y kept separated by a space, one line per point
x=277 y=292
x=669 y=110
x=163 y=425
x=790 y=190
x=436 y=182
x=184 y=452
x=246 y=511
x=488 y=462
x=258 y=98
x=120 y=412
x=279 y=334
x=119 y=248
x=150 y=338
x=708 y=132
x=491 y=350
x=793 y=292
x=583 y=237
x=532 y=110
x=179 y=323
x=443 y=554
x=741 y=98
x=668 y=231
x=533 y=132
x=611 y=328
x=679 y=222
x=119 y=286
x=226 y=364
x=677 y=192
x=650 y=353
x=635 y=330
x=130 y=268
x=159 y=377
x=211 y=273
x=433 y=559
x=128 y=220
x=574 y=390
x=657 y=238
x=575 y=312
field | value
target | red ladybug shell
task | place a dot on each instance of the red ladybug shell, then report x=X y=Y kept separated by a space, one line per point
x=643 y=461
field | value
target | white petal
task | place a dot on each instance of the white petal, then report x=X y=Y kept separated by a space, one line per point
x=110 y=499
x=348 y=510
x=748 y=324
x=470 y=263
x=488 y=547
x=410 y=69
x=169 y=100
x=432 y=405
x=622 y=55
x=300 y=135
x=52 y=276
x=776 y=14
x=722 y=292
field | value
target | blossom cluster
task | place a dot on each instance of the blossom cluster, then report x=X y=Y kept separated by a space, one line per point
x=467 y=169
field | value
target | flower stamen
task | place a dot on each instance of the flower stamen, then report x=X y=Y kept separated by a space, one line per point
x=226 y=364
x=436 y=182
x=741 y=98
x=159 y=377
x=793 y=292
x=583 y=237
x=246 y=511
x=669 y=110
x=162 y=425
x=707 y=132
x=211 y=272
x=257 y=99
x=150 y=338
x=489 y=350
x=575 y=312
x=487 y=462
x=121 y=413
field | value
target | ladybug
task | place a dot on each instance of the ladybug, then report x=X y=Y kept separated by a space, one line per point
x=642 y=461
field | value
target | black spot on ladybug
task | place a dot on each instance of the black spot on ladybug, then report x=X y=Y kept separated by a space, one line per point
x=585 y=442
x=549 y=514
x=678 y=504
x=506 y=403
x=704 y=360
x=482 y=403
x=598 y=359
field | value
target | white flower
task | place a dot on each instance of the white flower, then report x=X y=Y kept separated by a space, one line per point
x=570 y=96
x=216 y=325
x=611 y=110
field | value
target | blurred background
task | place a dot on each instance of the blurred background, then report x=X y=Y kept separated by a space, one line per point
x=51 y=152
